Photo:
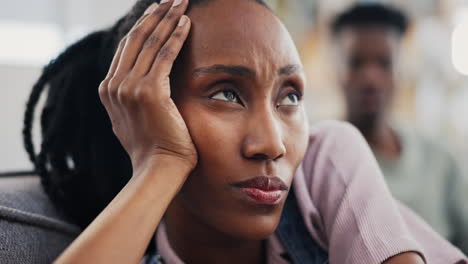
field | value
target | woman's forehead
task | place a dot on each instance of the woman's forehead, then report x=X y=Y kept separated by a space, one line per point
x=238 y=32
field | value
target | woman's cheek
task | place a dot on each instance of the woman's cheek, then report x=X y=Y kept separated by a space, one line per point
x=297 y=129
x=211 y=132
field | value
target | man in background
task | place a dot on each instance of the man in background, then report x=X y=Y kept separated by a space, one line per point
x=419 y=172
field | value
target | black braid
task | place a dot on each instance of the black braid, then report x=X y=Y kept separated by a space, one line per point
x=50 y=70
x=58 y=74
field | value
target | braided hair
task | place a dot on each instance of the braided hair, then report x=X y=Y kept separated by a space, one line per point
x=81 y=164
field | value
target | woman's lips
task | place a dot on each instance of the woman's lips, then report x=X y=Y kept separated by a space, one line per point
x=263 y=197
x=263 y=190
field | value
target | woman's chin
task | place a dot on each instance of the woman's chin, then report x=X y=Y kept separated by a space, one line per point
x=252 y=227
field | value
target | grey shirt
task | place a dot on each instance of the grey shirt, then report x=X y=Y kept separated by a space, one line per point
x=427 y=179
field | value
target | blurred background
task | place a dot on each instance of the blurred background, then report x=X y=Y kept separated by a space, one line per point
x=432 y=95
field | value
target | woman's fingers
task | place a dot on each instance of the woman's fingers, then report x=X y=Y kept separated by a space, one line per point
x=154 y=42
x=115 y=60
x=162 y=65
x=118 y=53
x=134 y=40
x=158 y=38
x=104 y=94
x=137 y=36
x=148 y=11
x=104 y=88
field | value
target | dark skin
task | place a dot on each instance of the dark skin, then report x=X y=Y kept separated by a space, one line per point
x=367 y=58
x=187 y=150
x=262 y=68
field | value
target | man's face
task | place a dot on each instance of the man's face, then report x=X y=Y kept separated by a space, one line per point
x=366 y=60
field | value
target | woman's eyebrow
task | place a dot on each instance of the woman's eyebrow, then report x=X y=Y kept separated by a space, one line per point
x=290 y=69
x=229 y=69
x=242 y=71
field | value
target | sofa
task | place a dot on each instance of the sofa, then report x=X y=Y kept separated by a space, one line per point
x=31 y=229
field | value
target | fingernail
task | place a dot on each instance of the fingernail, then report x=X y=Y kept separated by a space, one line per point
x=182 y=20
x=164 y=1
x=176 y=2
x=151 y=8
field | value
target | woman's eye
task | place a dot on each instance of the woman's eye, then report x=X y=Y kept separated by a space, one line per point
x=228 y=96
x=291 y=99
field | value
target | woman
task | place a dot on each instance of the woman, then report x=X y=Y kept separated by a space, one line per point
x=211 y=142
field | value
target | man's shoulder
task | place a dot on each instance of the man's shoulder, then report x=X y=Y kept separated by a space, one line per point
x=426 y=145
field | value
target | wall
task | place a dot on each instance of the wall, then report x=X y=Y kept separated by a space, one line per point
x=72 y=19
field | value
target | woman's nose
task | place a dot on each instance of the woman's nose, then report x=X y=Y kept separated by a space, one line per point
x=263 y=140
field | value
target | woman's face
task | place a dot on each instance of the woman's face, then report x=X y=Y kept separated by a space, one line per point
x=238 y=85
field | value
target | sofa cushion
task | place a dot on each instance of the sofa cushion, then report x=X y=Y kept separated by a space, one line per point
x=31 y=229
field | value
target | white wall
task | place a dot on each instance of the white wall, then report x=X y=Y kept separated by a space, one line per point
x=16 y=82
x=73 y=19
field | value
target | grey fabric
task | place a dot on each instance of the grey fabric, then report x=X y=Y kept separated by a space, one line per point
x=427 y=178
x=31 y=229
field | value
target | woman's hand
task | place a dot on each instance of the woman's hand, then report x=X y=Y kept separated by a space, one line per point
x=136 y=95
x=136 y=92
